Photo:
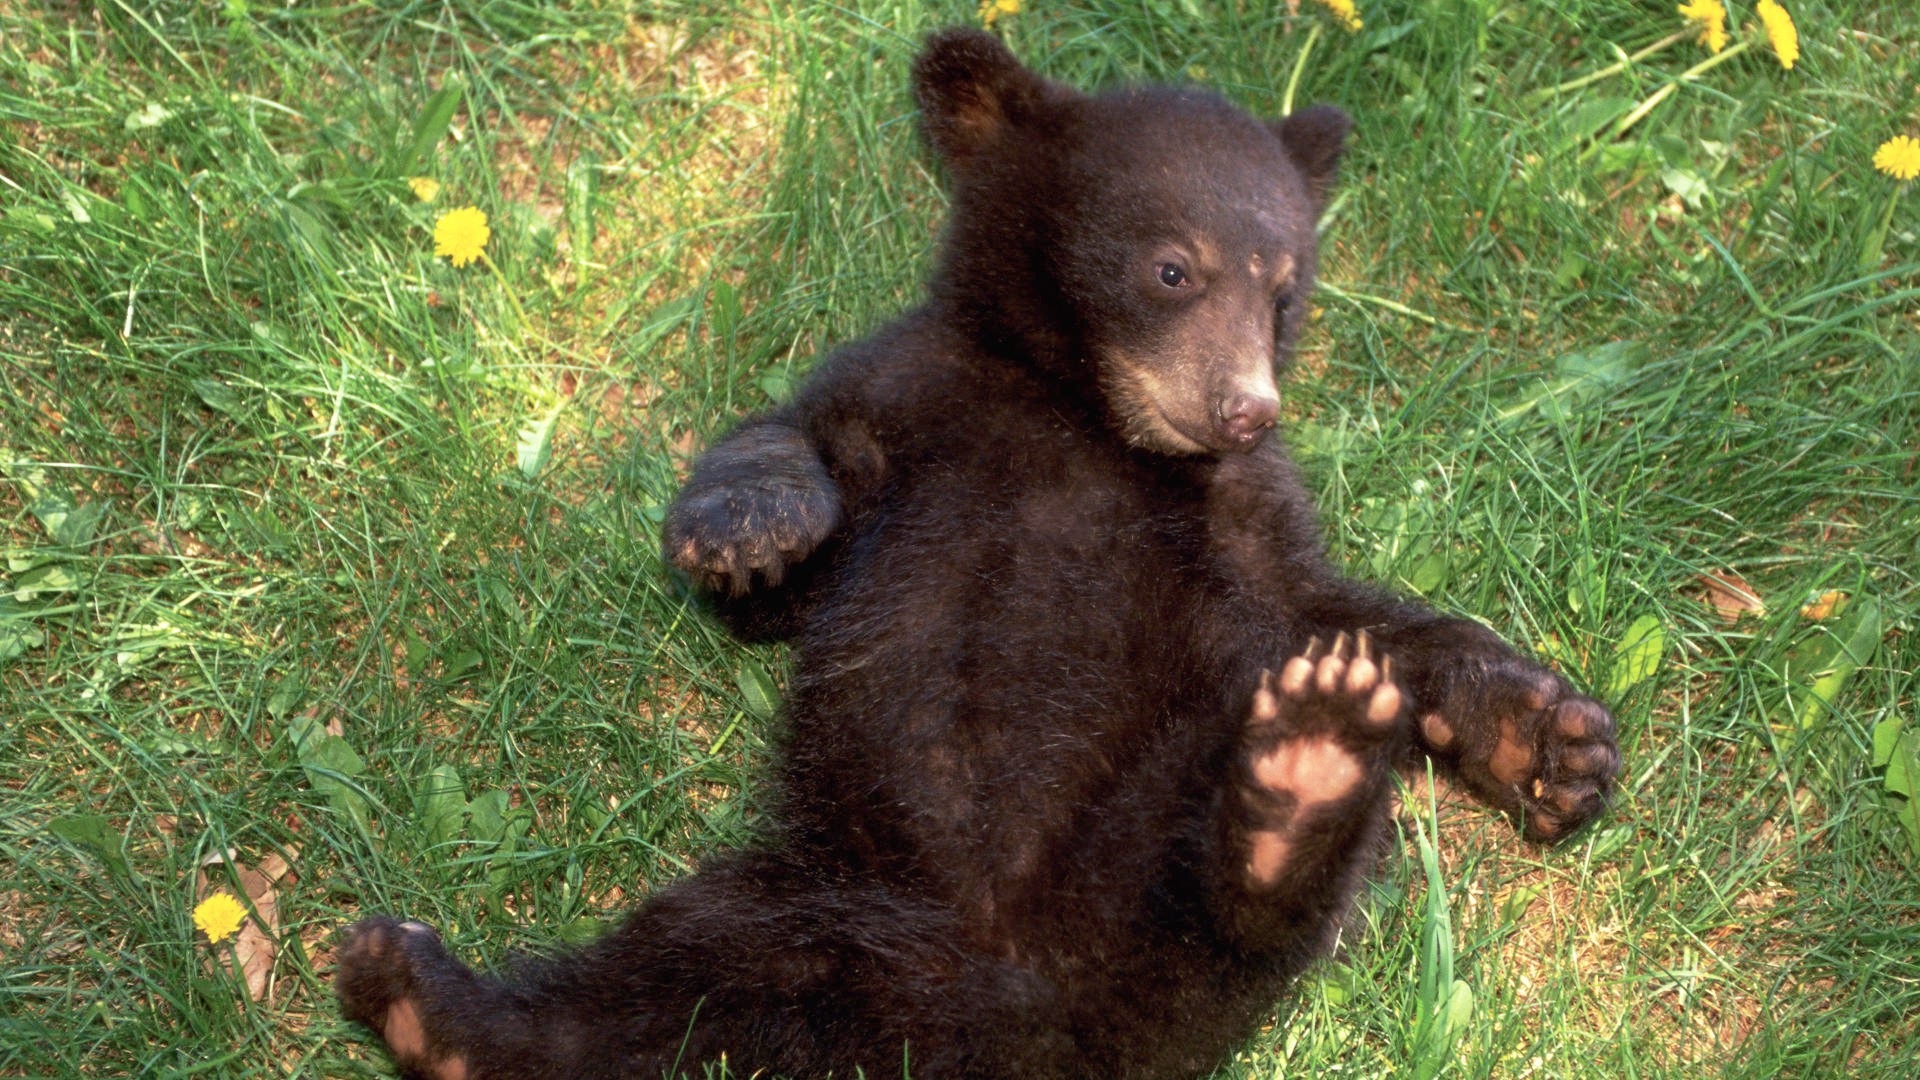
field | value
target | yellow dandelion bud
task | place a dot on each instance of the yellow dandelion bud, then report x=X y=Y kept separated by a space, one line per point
x=991 y=10
x=218 y=916
x=425 y=188
x=461 y=235
x=1344 y=11
x=1899 y=157
x=1781 y=32
x=1711 y=15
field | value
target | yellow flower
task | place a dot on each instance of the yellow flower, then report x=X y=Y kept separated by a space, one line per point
x=218 y=916
x=461 y=234
x=1899 y=157
x=1345 y=12
x=991 y=10
x=1780 y=31
x=425 y=188
x=1712 y=17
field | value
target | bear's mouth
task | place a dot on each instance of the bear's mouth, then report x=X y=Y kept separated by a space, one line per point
x=1134 y=394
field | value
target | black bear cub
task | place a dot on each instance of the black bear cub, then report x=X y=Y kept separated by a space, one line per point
x=1088 y=746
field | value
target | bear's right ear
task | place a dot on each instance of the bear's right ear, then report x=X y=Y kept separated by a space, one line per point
x=1315 y=137
x=971 y=89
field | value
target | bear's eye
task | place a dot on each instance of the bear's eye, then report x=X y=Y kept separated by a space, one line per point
x=1172 y=276
x=1281 y=303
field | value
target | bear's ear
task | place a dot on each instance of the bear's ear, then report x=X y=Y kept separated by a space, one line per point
x=1315 y=137
x=970 y=89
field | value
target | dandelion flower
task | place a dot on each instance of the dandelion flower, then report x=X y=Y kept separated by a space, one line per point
x=425 y=188
x=1712 y=17
x=991 y=10
x=1899 y=157
x=218 y=916
x=461 y=235
x=1344 y=11
x=1780 y=31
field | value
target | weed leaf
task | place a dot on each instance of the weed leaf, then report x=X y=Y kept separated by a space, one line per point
x=756 y=688
x=1638 y=655
x=431 y=126
x=583 y=181
x=1581 y=376
x=1852 y=643
x=535 y=445
x=1897 y=751
x=17 y=632
x=96 y=836
x=443 y=805
x=218 y=396
x=331 y=764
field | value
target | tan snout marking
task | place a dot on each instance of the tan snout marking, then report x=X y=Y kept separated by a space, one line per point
x=1135 y=393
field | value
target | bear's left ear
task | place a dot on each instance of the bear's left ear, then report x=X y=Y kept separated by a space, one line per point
x=1315 y=137
x=971 y=89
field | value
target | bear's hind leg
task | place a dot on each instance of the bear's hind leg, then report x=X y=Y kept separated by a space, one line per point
x=782 y=969
x=1317 y=757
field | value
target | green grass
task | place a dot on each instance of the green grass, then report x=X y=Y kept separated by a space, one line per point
x=290 y=568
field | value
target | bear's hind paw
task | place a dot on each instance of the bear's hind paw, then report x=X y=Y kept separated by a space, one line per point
x=1320 y=736
x=381 y=980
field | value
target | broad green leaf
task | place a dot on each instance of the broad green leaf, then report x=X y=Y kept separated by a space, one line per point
x=45 y=579
x=330 y=764
x=1886 y=739
x=1855 y=637
x=432 y=125
x=1581 y=376
x=150 y=115
x=97 y=837
x=1519 y=900
x=489 y=810
x=535 y=445
x=218 y=396
x=757 y=689
x=1592 y=115
x=287 y=695
x=583 y=184
x=442 y=805
x=70 y=524
x=18 y=634
x=1638 y=655
x=1428 y=574
x=1897 y=750
x=17 y=637
x=1459 y=1008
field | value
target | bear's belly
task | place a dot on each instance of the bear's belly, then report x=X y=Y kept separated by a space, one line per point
x=977 y=687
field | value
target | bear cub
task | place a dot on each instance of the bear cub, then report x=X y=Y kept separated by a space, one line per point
x=1087 y=745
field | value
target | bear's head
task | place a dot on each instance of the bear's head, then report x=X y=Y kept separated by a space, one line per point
x=1155 y=244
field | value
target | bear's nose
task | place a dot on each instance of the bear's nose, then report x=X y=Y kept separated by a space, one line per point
x=1244 y=416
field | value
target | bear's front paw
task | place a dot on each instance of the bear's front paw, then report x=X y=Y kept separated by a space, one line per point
x=386 y=978
x=757 y=504
x=1529 y=745
x=724 y=539
x=1321 y=740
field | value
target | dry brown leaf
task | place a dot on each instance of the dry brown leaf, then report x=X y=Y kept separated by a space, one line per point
x=1825 y=606
x=1731 y=597
x=256 y=945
